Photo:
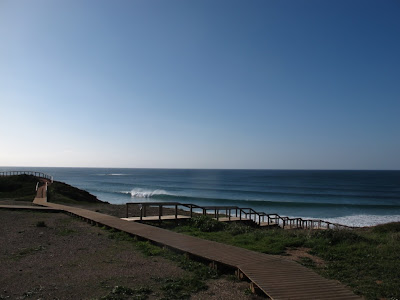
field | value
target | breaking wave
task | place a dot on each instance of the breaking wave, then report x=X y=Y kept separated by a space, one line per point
x=364 y=220
x=163 y=195
x=143 y=193
x=112 y=174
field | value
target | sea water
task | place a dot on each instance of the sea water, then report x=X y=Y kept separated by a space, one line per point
x=356 y=198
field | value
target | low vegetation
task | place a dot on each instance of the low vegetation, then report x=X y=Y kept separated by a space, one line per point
x=23 y=188
x=65 y=193
x=366 y=259
x=20 y=188
x=26 y=251
x=172 y=288
x=121 y=292
x=41 y=224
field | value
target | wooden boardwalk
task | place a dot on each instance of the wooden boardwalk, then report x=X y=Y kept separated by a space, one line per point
x=278 y=278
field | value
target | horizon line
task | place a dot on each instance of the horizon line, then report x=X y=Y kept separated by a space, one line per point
x=222 y=169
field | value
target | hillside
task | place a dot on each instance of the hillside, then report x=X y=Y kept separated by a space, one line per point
x=23 y=188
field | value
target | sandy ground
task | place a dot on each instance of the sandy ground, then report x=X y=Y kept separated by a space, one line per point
x=70 y=259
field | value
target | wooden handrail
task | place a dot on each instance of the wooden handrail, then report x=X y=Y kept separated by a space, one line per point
x=248 y=213
x=32 y=173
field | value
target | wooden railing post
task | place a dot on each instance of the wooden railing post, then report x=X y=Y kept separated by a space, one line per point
x=246 y=213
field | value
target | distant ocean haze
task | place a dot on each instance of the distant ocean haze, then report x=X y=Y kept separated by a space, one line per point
x=357 y=198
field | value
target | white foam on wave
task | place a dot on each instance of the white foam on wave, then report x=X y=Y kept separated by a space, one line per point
x=362 y=220
x=112 y=174
x=143 y=193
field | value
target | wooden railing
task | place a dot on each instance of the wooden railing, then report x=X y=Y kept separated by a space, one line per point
x=240 y=214
x=32 y=173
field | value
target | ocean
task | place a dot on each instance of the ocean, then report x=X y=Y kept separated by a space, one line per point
x=355 y=198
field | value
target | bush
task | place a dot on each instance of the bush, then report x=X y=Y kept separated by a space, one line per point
x=62 y=192
x=41 y=224
x=121 y=292
x=237 y=228
x=389 y=227
x=21 y=187
x=149 y=249
x=334 y=237
x=206 y=224
x=181 y=288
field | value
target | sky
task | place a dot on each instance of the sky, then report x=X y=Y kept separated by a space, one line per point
x=200 y=84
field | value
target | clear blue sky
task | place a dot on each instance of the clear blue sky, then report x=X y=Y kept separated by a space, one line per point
x=200 y=84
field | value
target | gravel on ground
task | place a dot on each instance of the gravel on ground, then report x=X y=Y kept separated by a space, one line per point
x=54 y=256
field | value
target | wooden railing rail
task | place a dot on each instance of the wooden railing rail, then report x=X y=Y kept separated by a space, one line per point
x=32 y=173
x=243 y=213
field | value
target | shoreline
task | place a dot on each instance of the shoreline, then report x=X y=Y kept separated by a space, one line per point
x=362 y=220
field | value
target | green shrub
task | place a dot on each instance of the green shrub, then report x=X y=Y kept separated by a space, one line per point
x=334 y=237
x=65 y=193
x=200 y=270
x=181 y=288
x=206 y=224
x=307 y=262
x=389 y=227
x=121 y=292
x=149 y=249
x=21 y=187
x=237 y=228
x=65 y=231
x=41 y=224
x=119 y=235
